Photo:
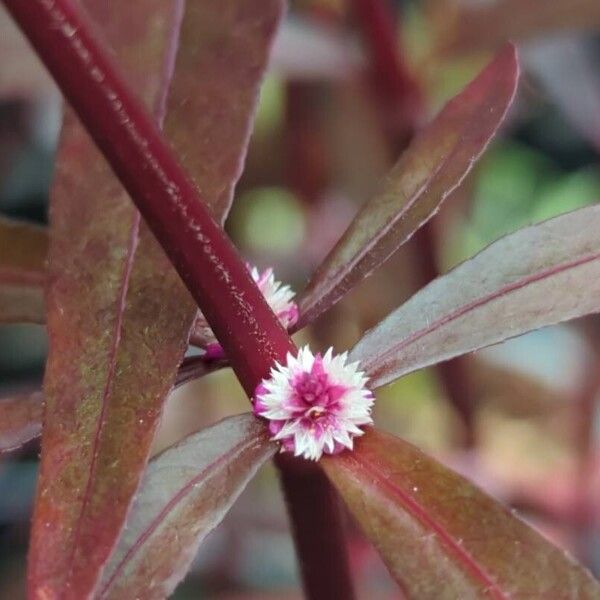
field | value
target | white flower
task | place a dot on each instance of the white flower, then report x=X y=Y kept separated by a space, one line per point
x=315 y=404
x=278 y=296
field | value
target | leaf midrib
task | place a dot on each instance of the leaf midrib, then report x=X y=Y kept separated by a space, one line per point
x=420 y=513
x=478 y=303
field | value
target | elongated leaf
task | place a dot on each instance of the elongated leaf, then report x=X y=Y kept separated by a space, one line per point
x=440 y=536
x=21 y=416
x=224 y=48
x=470 y=26
x=434 y=165
x=23 y=249
x=20 y=420
x=538 y=276
x=184 y=495
x=98 y=423
x=119 y=314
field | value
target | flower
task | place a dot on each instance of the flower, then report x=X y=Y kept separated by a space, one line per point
x=315 y=404
x=279 y=297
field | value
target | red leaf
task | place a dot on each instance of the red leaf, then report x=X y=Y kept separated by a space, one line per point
x=23 y=249
x=20 y=420
x=435 y=164
x=440 y=536
x=184 y=495
x=535 y=277
x=216 y=90
x=119 y=316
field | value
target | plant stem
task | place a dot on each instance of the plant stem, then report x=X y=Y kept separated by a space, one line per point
x=317 y=532
x=202 y=254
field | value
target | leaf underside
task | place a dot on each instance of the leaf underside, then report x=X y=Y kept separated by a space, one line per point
x=440 y=536
x=538 y=276
x=434 y=164
x=118 y=315
x=185 y=493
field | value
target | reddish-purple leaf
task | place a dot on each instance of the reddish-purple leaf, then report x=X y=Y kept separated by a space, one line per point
x=535 y=277
x=434 y=164
x=20 y=420
x=440 y=536
x=225 y=46
x=101 y=407
x=119 y=316
x=184 y=495
x=23 y=249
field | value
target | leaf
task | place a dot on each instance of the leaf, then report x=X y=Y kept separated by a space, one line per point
x=440 y=536
x=20 y=420
x=184 y=495
x=100 y=411
x=23 y=249
x=535 y=277
x=433 y=166
x=226 y=45
x=467 y=26
x=21 y=416
x=119 y=316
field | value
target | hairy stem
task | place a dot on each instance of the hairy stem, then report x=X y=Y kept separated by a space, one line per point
x=204 y=257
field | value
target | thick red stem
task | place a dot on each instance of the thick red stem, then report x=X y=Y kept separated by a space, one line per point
x=202 y=254
x=318 y=533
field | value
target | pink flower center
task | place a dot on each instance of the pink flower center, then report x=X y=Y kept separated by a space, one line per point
x=315 y=396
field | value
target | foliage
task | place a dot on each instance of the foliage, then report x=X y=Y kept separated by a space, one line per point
x=123 y=289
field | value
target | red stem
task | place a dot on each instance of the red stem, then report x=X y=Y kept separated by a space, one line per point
x=204 y=257
x=317 y=532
